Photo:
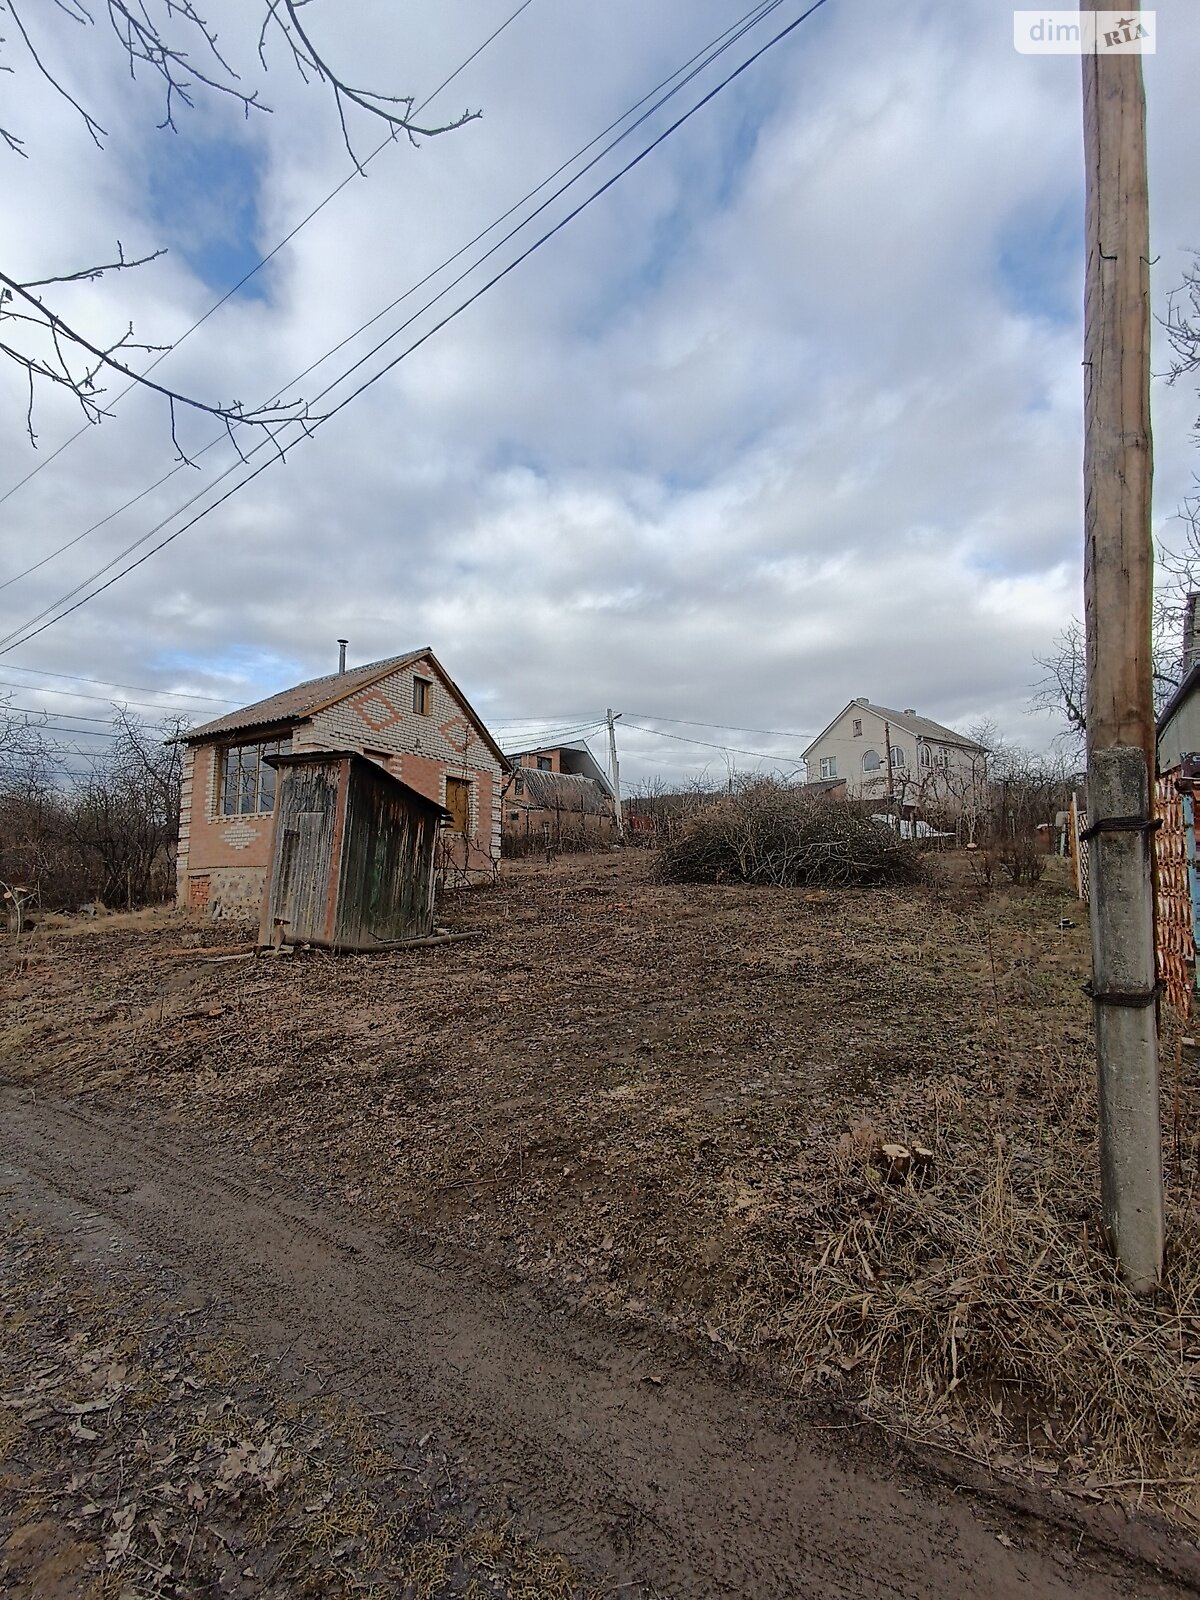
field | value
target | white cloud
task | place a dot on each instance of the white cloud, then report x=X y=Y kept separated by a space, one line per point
x=782 y=419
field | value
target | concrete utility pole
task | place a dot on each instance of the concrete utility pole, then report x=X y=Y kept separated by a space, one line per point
x=615 y=770
x=1118 y=579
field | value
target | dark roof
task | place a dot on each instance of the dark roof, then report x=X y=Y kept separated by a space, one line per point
x=922 y=727
x=568 y=791
x=300 y=702
x=306 y=699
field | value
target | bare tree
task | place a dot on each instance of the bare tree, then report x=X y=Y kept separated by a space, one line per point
x=172 y=42
x=123 y=812
x=1063 y=688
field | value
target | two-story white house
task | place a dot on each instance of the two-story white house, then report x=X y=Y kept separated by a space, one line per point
x=900 y=759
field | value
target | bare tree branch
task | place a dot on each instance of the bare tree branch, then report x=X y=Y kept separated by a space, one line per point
x=173 y=41
x=71 y=368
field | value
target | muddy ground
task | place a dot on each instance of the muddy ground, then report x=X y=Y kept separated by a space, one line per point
x=575 y=1198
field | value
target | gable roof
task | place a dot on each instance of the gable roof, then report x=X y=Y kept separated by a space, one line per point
x=304 y=700
x=920 y=727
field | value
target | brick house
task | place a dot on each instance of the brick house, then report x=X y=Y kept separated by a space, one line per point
x=406 y=713
x=559 y=796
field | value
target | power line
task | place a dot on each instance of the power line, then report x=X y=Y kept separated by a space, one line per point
x=359 y=168
x=72 y=694
x=555 y=738
x=41 y=711
x=723 y=40
x=79 y=677
x=710 y=53
x=537 y=722
x=311 y=428
x=737 y=727
x=729 y=749
x=89 y=733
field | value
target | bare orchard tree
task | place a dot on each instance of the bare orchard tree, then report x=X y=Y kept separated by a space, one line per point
x=123 y=812
x=29 y=776
x=1063 y=688
x=1027 y=791
x=174 y=44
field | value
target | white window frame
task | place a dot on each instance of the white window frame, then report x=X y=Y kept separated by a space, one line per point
x=828 y=768
x=899 y=759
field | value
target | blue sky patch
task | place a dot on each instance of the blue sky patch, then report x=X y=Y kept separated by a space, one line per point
x=1041 y=262
x=204 y=200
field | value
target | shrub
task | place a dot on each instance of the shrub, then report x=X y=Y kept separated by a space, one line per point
x=768 y=831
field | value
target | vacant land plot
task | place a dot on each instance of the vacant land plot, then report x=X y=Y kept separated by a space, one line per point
x=666 y=1103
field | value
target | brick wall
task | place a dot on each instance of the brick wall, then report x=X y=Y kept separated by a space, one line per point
x=422 y=750
x=234 y=853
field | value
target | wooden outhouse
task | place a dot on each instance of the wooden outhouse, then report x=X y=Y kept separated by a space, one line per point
x=353 y=860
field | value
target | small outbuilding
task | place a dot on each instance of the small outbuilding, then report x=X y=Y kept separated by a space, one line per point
x=353 y=861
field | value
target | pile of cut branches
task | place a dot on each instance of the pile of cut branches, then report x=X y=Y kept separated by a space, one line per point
x=772 y=832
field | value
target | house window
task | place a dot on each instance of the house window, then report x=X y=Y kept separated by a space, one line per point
x=247 y=785
x=942 y=757
x=422 y=695
x=926 y=756
x=544 y=764
x=898 y=759
x=458 y=804
x=858 y=727
x=828 y=766
x=872 y=761
x=514 y=816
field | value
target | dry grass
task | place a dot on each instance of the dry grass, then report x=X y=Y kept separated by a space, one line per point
x=663 y=1101
x=974 y=1300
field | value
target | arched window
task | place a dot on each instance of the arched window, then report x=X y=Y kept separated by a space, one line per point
x=926 y=756
x=871 y=761
x=898 y=756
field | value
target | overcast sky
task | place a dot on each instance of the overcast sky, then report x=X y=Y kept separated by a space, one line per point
x=790 y=414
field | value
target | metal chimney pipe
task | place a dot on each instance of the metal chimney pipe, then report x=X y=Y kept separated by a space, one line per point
x=342 y=643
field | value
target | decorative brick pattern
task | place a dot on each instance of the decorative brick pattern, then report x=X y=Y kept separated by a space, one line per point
x=238 y=835
x=235 y=853
x=445 y=742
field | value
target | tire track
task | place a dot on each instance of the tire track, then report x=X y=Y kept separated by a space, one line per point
x=691 y=1486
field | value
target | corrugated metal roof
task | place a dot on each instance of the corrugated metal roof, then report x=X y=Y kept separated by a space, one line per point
x=293 y=705
x=566 y=791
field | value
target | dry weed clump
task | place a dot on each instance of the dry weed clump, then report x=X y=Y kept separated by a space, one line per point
x=975 y=1298
x=770 y=832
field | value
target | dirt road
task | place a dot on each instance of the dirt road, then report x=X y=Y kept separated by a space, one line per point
x=646 y=1468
